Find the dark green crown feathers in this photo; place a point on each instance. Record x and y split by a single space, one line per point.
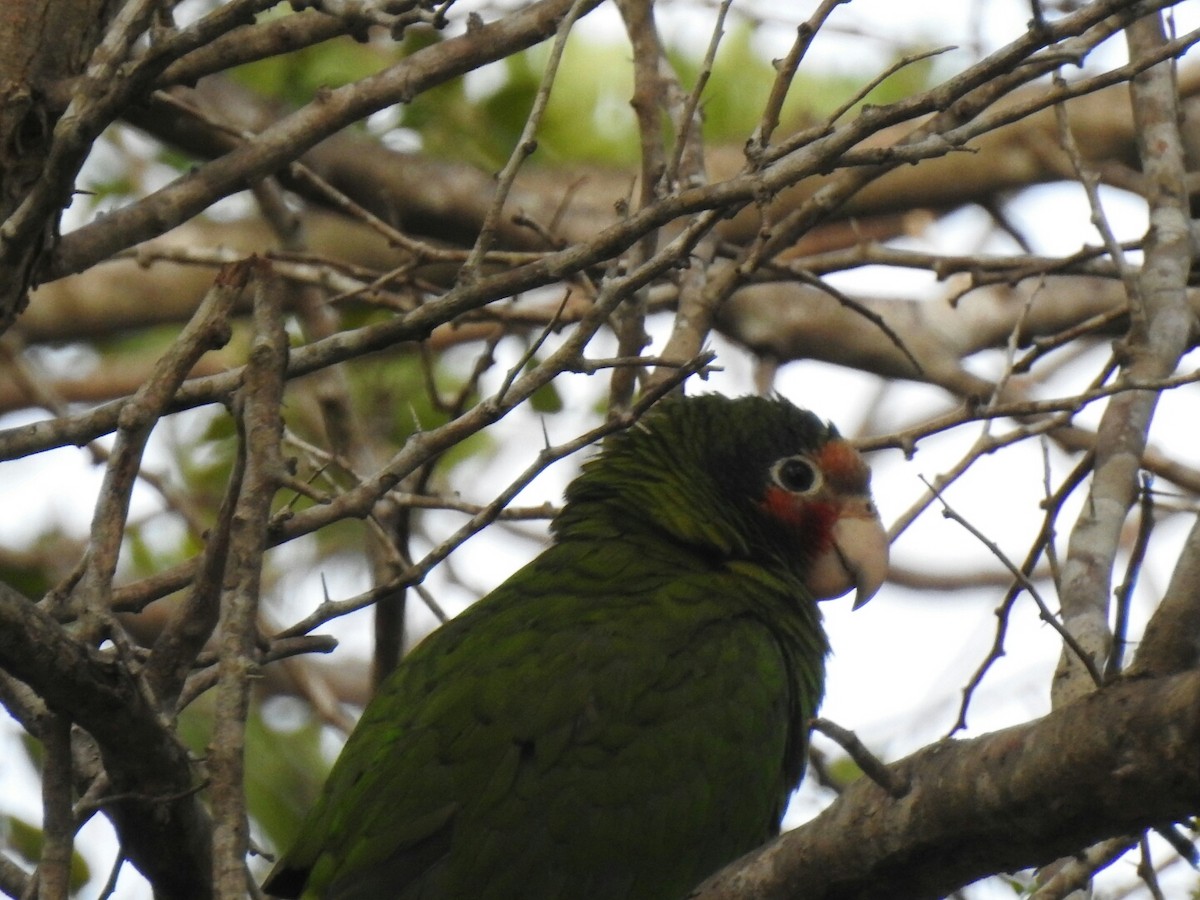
694 469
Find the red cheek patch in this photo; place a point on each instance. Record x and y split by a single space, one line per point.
811 521
781 505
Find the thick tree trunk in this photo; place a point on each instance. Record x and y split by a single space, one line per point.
43 43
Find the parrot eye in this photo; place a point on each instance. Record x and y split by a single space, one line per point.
796 474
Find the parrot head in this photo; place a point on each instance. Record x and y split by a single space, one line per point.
751 478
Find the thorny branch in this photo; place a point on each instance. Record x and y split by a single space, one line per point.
1161 326
260 427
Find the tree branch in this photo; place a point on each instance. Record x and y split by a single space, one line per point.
1171 642
1161 327
1117 761
287 139
260 425
163 827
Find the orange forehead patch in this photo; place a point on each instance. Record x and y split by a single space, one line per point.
843 467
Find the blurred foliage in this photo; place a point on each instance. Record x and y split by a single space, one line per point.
284 771
738 88
547 398
145 551
588 118
1019 885
25 840
393 390
293 78
30 572
843 771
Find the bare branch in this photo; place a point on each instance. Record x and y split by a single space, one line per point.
1171 642
261 427
291 136
161 823
526 143
979 806
1160 332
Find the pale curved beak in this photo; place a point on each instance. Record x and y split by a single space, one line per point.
857 556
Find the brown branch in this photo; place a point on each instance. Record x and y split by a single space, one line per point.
208 328
1117 761
1161 325
58 822
1171 642
654 84
45 43
162 826
260 425
285 140
252 42
14 881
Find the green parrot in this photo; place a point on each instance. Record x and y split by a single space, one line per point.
628 712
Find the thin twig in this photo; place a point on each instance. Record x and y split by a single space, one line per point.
785 73
688 126
860 309
870 764
1145 868
1077 871
526 144
1124 593
857 97
1090 183
1044 542
333 609
1030 588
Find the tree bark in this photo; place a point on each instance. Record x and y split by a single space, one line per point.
1118 761
42 44
162 825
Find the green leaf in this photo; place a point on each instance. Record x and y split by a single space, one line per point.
26 841
284 772
844 771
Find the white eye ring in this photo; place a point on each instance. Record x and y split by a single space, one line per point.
797 475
